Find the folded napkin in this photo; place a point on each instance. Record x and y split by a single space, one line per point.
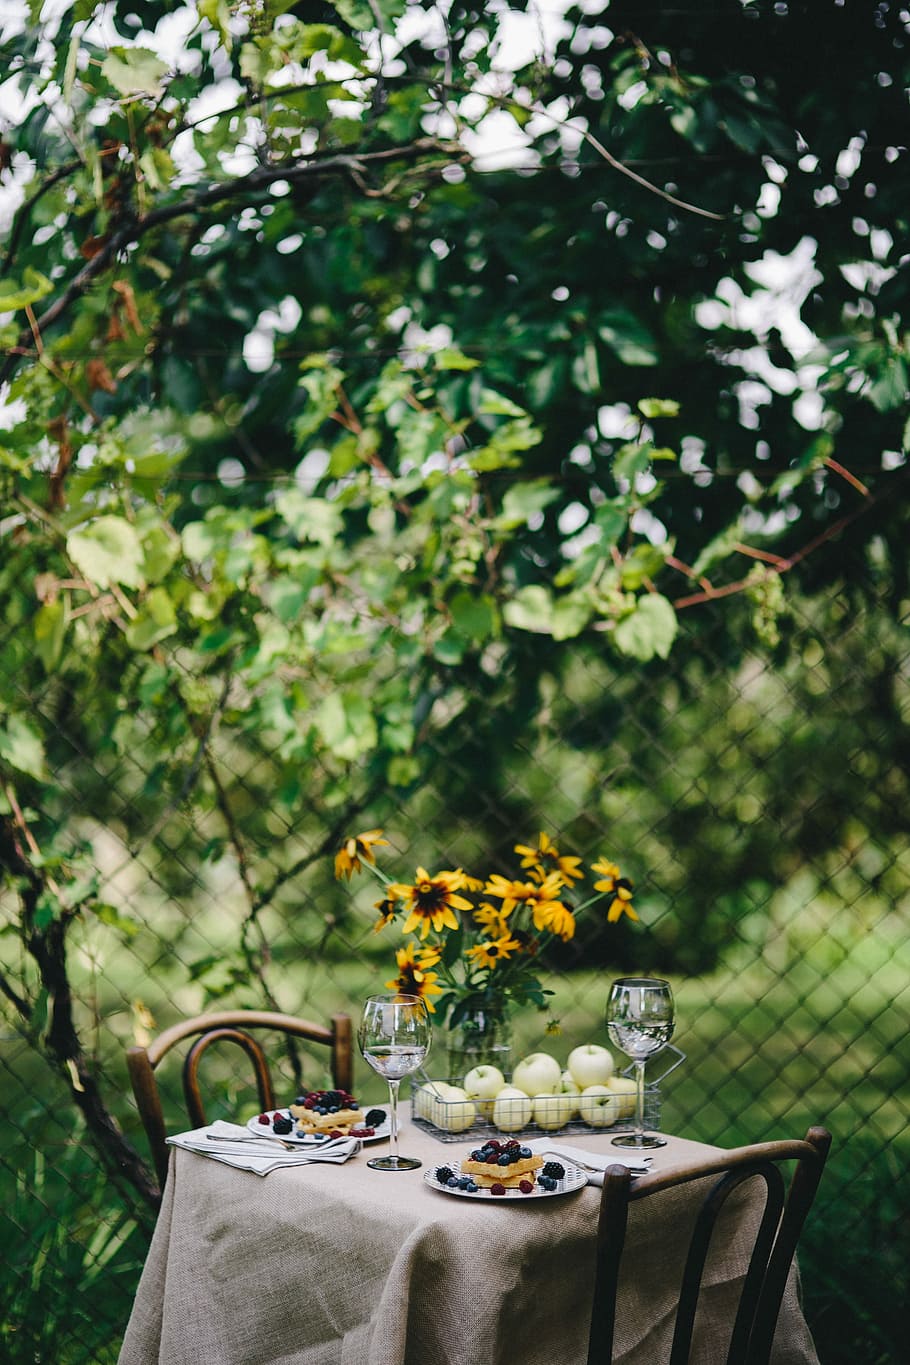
638 1163
237 1146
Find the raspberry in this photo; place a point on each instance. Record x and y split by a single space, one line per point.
497 1189
264 1120
362 1132
525 1186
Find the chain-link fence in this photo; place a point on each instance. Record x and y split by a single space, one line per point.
758 803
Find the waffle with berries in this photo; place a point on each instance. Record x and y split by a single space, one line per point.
326 1111
503 1163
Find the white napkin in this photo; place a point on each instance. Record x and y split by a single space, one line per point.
237 1146
637 1163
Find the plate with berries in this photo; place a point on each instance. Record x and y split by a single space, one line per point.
541 1181
371 1126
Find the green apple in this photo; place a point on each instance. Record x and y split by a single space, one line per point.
454 1110
598 1106
571 1091
590 1064
624 1088
426 1097
482 1084
512 1109
553 1111
538 1074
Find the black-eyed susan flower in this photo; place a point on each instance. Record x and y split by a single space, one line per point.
414 974
431 902
547 857
359 846
388 908
554 917
490 952
619 889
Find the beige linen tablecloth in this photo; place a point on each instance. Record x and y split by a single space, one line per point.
344 1265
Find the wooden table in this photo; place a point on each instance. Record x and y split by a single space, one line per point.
342 1265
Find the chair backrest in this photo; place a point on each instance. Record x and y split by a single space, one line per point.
782 1219
226 1026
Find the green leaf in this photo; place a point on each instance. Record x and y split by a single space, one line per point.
612 518
50 629
451 359
474 617
312 519
530 609
497 405
22 748
346 725
34 286
630 460
570 616
155 621
890 388
649 630
525 500
218 14
362 16
629 338
449 648
658 407
134 71
108 551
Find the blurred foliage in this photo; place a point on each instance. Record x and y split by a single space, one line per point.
340 451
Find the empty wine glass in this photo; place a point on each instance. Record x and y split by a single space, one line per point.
394 1038
640 1022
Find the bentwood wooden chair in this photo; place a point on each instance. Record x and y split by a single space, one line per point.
227 1026
782 1219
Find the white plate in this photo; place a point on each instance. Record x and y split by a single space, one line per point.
311 1139
574 1179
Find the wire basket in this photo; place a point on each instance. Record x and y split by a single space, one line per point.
464 1121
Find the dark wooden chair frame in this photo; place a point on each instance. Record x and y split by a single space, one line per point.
226 1026
775 1243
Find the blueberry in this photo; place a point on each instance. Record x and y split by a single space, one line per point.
471 1187
452 1182
503 1159
525 1152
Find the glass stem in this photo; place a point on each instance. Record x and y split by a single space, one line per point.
393 1119
639 1100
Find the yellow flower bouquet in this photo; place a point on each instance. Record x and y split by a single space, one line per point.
474 944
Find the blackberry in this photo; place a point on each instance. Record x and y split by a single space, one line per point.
281 1125
444 1174
375 1117
554 1169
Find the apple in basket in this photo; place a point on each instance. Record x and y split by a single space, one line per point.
512 1109
538 1074
590 1064
623 1088
599 1106
452 1109
571 1090
482 1084
553 1111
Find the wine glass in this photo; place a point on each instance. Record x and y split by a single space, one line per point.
394 1038
639 1022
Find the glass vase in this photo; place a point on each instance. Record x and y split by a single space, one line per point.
482 1038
